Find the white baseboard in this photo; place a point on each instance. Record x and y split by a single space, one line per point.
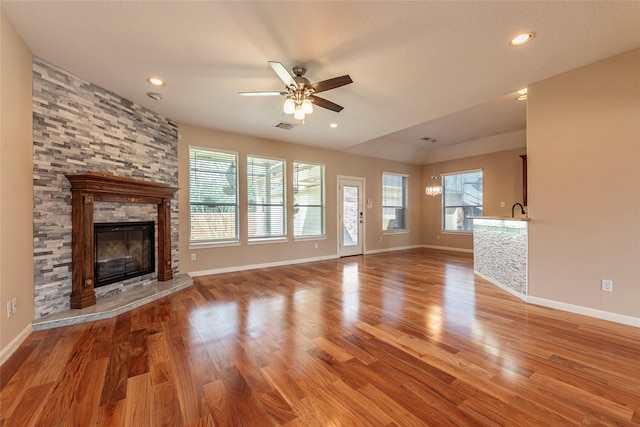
586 311
447 248
6 352
255 266
303 260
399 248
577 309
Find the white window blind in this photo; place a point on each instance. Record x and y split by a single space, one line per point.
308 200
213 195
266 198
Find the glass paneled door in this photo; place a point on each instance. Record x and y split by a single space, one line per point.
351 216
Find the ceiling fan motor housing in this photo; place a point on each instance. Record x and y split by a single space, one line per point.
303 83
299 70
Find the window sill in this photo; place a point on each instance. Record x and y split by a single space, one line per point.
309 238
205 245
384 232
457 233
267 241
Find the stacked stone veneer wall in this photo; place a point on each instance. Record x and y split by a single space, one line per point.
80 127
500 253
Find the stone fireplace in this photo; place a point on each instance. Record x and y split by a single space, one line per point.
79 126
86 189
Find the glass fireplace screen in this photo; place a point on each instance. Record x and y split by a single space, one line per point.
123 250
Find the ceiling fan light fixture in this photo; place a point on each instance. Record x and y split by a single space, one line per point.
300 93
289 106
307 106
298 114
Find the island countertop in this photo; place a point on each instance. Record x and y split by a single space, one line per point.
502 218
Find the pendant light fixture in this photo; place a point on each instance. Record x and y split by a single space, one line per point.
434 189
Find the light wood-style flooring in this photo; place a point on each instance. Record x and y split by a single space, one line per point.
405 338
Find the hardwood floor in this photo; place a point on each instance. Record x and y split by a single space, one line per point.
405 338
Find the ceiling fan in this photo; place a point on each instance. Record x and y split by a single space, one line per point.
300 93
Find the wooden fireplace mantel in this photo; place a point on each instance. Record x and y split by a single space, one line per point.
93 187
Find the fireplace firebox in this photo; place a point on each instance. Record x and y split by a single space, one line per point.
123 250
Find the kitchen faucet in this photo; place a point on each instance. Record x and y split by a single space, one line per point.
521 209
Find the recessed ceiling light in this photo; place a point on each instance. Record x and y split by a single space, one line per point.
155 96
521 39
522 94
333 125
155 81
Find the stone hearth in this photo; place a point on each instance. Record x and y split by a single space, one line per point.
114 305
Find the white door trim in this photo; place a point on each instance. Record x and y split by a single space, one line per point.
360 183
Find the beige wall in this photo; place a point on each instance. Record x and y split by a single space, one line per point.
502 182
16 186
336 163
583 142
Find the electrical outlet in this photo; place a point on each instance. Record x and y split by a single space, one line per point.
502 204
607 285
9 309
193 257
315 245
14 306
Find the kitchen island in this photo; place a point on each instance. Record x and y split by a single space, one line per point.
500 252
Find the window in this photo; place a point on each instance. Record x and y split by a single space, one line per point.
462 198
308 200
265 187
213 195
394 202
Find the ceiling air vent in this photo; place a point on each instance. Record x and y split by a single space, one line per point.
284 125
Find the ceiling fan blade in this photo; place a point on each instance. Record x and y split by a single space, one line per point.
321 102
331 83
263 93
284 75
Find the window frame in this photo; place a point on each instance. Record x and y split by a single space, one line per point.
405 205
322 206
267 238
445 206
215 241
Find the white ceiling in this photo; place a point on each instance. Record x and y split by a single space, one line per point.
441 69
